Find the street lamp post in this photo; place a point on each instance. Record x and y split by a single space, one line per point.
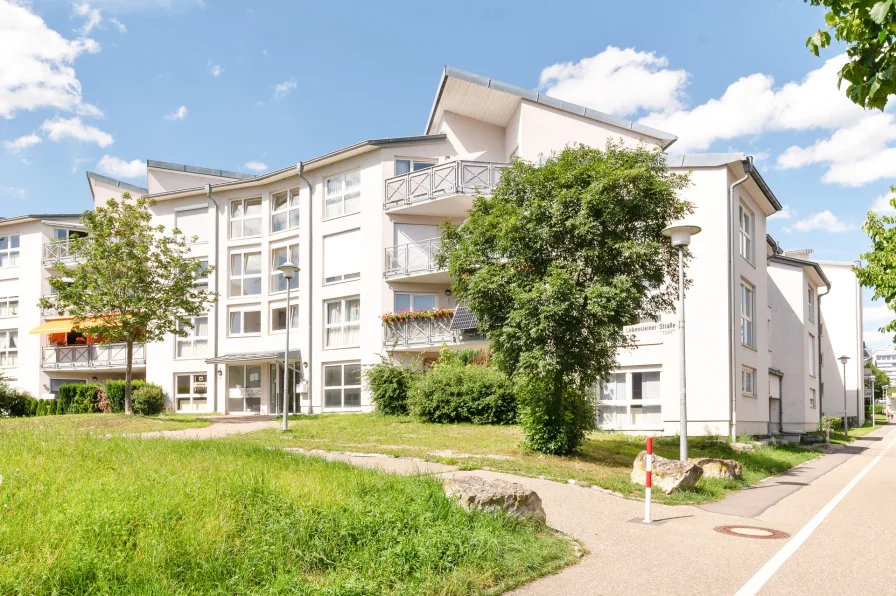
289 270
843 360
680 233
872 402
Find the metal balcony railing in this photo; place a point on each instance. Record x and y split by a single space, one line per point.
419 332
455 177
54 311
59 251
92 356
408 259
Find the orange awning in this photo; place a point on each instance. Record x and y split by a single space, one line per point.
57 326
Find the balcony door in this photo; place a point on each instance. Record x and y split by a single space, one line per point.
415 246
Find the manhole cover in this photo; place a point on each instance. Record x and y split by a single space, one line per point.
752 532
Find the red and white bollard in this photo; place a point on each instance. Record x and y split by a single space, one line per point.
648 481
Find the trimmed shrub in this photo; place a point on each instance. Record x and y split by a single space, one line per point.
148 400
115 393
389 383
77 398
557 428
457 393
16 402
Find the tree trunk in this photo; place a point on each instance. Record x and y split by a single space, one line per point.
128 407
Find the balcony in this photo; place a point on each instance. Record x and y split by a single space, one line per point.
91 356
59 251
426 329
54 311
416 260
445 190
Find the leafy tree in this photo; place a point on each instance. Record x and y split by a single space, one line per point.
555 263
879 271
869 29
881 380
134 282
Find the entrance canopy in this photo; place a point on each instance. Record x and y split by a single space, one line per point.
294 356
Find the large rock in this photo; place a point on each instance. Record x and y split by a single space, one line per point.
726 469
668 474
472 492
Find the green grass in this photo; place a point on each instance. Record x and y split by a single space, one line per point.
855 433
605 460
103 424
81 514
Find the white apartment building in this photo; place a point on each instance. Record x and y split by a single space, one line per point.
885 359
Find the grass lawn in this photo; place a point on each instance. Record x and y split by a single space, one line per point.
855 433
102 424
81 514
606 459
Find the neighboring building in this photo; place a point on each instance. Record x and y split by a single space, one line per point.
885 360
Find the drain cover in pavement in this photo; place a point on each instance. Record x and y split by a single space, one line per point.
752 532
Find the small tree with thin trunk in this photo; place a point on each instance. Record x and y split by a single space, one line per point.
133 282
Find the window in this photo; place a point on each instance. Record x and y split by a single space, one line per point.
243 388
811 355
193 223
403 166
202 275
190 392
343 195
342 256
342 385
285 210
245 273
55 384
9 347
9 251
811 305
245 218
630 399
747 304
245 321
748 381
414 302
9 307
278 317
279 256
195 345
63 234
343 323
746 233
812 398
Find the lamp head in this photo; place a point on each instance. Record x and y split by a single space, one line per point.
680 233
288 270
843 359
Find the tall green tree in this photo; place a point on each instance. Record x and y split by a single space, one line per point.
868 27
133 282
881 380
555 263
879 270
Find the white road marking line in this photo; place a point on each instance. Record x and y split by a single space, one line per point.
768 570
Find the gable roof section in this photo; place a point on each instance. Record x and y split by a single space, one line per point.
177 167
36 217
784 260
715 160
113 182
504 98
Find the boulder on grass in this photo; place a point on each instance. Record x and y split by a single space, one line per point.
726 469
742 447
473 492
668 474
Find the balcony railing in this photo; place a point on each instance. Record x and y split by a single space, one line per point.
92 356
54 311
419 332
456 177
59 251
409 259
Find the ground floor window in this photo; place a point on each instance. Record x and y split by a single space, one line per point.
631 399
191 392
244 388
748 381
811 398
9 348
342 385
55 384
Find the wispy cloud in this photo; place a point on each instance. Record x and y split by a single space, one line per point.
255 166
824 221
283 89
119 168
215 69
881 205
178 114
73 128
785 213
22 143
91 16
15 191
122 28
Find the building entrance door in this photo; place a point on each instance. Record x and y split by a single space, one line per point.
243 388
275 395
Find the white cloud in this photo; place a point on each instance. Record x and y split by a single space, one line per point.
36 65
119 168
785 213
122 28
825 221
619 81
283 89
21 143
62 128
875 339
255 166
15 191
91 16
881 205
877 314
178 114
215 69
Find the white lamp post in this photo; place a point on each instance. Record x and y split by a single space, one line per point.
843 360
680 233
289 271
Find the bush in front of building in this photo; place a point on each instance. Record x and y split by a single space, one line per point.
115 393
77 398
148 400
16 403
389 382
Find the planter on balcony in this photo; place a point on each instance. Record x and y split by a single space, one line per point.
418 328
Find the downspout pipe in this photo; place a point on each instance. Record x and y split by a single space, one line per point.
208 193
309 377
781 405
732 304
819 355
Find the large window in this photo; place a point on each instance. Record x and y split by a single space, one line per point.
343 321
243 388
342 256
342 385
195 345
747 310
278 317
403 166
9 347
414 302
285 210
811 355
9 307
343 195
748 381
811 304
9 251
747 223
631 399
245 273
245 320
193 223
280 255
191 392
245 218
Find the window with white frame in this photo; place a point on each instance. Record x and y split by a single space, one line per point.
193 223
404 166
9 347
245 320
342 256
280 255
414 302
343 195
812 398
278 317
342 385
747 223
811 305
747 312
9 251
9 307
631 399
811 355
285 210
245 273
748 381
191 392
195 344
202 275
343 323
245 218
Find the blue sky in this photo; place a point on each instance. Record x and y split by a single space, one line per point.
107 84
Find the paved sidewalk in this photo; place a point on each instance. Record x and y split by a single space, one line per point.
221 426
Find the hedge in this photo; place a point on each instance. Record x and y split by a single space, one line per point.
77 398
457 393
115 393
16 402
